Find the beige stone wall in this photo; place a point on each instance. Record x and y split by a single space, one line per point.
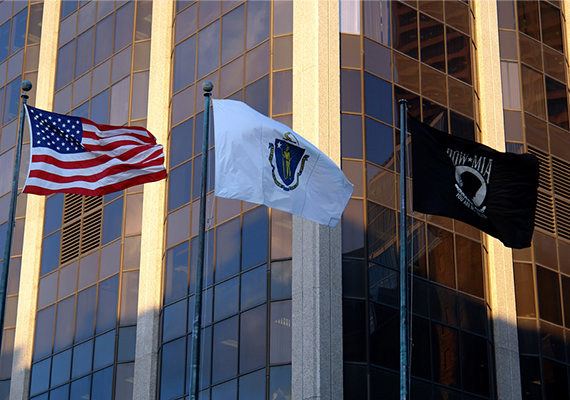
317 268
31 254
152 236
501 288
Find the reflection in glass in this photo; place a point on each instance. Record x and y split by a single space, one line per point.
377 21
252 386
280 340
557 103
254 287
253 337
379 144
405 29
378 98
184 64
533 92
64 324
225 352
107 304
82 356
208 49
85 320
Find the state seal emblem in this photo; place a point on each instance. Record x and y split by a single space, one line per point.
288 158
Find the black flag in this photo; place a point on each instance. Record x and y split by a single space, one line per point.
457 178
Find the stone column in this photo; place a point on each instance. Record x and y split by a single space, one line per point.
317 285
499 258
33 230
150 283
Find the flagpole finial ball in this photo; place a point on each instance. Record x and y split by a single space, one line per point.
207 86
26 86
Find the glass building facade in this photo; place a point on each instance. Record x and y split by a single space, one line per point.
86 293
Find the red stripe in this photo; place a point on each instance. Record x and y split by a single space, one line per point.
105 128
138 180
48 176
93 162
108 147
145 139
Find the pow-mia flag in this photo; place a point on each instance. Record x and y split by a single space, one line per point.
263 161
457 178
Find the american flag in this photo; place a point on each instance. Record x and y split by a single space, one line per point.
75 155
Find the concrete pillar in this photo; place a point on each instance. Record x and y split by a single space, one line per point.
499 258
150 283
33 231
317 270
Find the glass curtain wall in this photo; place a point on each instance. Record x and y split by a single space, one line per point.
245 49
534 69
88 291
20 33
421 51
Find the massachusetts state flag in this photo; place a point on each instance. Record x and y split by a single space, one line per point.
457 178
75 155
263 161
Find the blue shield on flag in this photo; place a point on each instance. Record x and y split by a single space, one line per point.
287 157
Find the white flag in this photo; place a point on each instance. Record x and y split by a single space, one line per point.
263 161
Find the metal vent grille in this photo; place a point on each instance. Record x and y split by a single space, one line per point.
544 217
561 175
72 205
563 218
82 225
70 241
91 232
545 174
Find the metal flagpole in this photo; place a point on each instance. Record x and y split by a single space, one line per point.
403 264
26 86
196 330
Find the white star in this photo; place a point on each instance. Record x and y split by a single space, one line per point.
49 117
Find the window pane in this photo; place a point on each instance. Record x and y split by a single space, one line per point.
80 388
252 386
548 295
445 350
102 388
124 26
557 103
50 253
528 18
85 321
254 287
208 49
40 377
61 368
181 143
458 55
533 92
378 98
253 337
377 21
281 280
280 382
112 221
224 357
107 304
84 53
350 92
254 238
280 337
18 31
258 20
129 298
226 299
125 379
12 101
82 357
232 34
379 143
227 249
64 324
104 350
184 64
441 261
432 42
511 85
44 333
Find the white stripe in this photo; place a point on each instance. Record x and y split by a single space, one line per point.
93 155
107 141
95 169
107 181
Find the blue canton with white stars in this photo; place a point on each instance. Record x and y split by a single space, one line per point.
60 133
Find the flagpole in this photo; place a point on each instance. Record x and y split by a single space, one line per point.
403 264
196 330
25 86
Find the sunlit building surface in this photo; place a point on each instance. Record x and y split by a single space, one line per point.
100 301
